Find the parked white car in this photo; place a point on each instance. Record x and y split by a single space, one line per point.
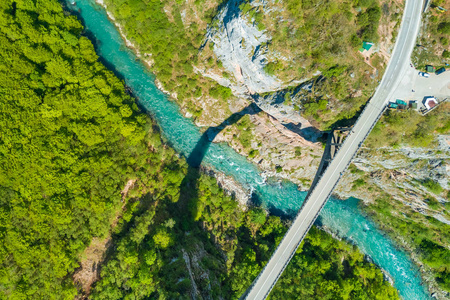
423 74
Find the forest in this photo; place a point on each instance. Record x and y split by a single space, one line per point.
157 28
72 137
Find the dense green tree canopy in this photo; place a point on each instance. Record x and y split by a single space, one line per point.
70 138
229 248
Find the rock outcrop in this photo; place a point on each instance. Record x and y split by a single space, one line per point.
239 44
399 172
241 47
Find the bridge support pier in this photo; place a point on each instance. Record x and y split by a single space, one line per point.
335 139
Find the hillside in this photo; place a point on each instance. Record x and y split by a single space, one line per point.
305 71
95 201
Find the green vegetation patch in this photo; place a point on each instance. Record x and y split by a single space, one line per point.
433 203
358 183
245 132
157 27
424 235
409 127
71 137
432 186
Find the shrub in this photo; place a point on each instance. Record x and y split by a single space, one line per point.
354 170
365 3
245 133
245 7
432 186
435 255
334 71
257 216
163 239
355 41
447 204
348 15
446 54
253 153
358 183
433 203
220 92
272 67
444 28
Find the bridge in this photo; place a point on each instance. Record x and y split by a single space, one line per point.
326 182
335 140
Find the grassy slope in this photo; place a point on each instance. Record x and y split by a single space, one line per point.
435 37
172 32
308 37
410 128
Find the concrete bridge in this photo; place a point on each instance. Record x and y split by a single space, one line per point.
335 140
326 182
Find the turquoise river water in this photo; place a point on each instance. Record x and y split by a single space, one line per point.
342 217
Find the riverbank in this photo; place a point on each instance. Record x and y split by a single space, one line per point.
377 173
145 57
277 195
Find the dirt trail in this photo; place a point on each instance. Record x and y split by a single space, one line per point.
93 256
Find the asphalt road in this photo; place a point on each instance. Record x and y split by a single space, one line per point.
396 70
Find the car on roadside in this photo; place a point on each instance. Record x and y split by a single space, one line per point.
424 74
440 70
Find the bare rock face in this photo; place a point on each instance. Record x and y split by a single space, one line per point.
240 46
399 172
285 105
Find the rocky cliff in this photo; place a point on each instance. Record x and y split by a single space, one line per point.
241 45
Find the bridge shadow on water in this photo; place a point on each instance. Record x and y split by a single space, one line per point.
189 193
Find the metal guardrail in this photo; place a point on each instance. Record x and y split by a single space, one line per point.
322 206
382 109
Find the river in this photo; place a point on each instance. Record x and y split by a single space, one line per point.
342 217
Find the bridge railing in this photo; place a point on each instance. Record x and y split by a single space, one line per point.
321 207
353 156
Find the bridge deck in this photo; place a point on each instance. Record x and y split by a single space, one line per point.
322 190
